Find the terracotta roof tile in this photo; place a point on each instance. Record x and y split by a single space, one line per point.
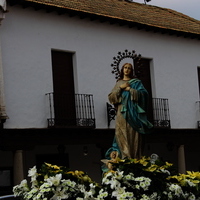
131 12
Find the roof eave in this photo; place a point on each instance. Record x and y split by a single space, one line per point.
103 18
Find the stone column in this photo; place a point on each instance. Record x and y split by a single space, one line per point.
3 115
18 168
181 159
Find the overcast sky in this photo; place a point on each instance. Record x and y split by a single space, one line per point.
188 7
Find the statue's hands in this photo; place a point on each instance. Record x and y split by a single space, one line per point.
125 86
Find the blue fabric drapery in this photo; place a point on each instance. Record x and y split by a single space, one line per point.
135 111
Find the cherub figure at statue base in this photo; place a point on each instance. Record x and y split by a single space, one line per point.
114 158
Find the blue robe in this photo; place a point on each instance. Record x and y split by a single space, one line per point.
135 111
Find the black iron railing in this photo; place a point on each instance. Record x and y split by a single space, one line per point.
71 110
161 116
111 113
160 112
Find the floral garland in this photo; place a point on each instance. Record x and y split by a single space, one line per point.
133 179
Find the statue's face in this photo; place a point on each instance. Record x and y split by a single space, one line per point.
113 154
127 70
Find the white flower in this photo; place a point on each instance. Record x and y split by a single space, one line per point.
108 174
34 183
137 186
139 178
34 190
24 185
69 183
54 180
29 196
191 197
114 184
45 185
32 194
165 171
106 181
119 175
129 176
170 195
59 194
142 185
81 187
33 174
105 194
176 189
147 181
39 195
122 196
190 183
129 194
32 171
88 194
45 190
154 196
102 194
145 197
92 188
119 191
21 188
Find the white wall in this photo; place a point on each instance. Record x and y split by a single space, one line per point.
27 37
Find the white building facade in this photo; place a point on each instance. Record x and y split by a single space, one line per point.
29 38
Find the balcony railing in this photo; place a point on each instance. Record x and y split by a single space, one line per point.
161 116
160 111
71 110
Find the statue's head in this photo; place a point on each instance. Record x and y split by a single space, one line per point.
127 65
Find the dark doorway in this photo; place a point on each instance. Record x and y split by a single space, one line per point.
145 77
198 73
63 85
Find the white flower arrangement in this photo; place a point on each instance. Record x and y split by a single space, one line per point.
55 183
131 179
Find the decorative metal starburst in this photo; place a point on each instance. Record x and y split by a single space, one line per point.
121 56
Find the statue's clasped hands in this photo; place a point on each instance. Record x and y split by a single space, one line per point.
125 86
